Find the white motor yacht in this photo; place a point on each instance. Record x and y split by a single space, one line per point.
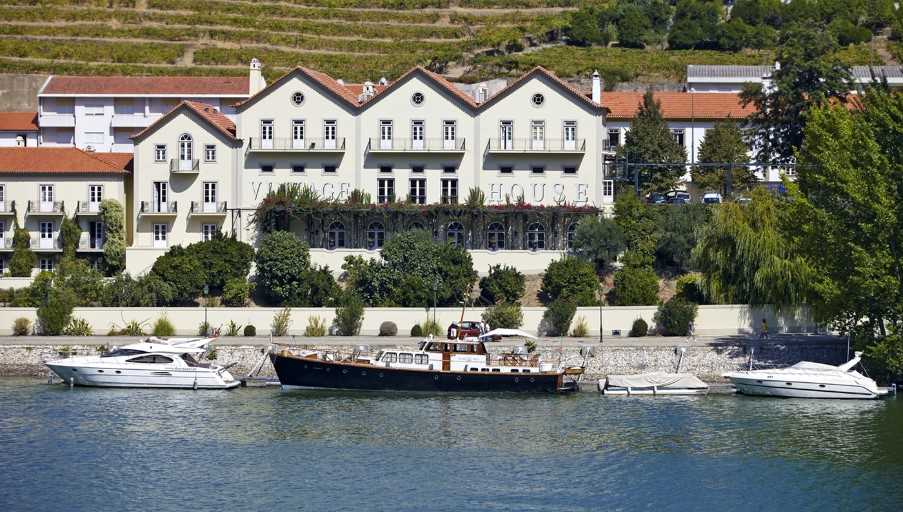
153 363
808 380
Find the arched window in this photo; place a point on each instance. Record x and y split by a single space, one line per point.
335 237
455 234
376 236
536 237
186 148
572 230
495 238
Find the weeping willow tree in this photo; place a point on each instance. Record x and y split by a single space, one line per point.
745 255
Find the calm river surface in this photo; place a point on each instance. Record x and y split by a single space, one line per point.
268 450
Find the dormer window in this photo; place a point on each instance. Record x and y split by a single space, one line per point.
297 98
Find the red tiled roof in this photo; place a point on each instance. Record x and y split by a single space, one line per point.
678 105
18 121
214 117
62 161
148 85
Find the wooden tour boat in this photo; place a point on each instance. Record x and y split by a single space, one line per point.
435 365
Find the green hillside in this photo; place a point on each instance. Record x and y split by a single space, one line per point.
351 39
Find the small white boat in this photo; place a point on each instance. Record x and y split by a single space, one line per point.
153 363
653 384
808 380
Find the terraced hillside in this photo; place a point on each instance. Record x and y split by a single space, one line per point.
351 39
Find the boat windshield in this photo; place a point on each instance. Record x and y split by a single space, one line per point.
120 352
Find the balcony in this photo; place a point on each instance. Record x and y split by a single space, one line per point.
201 209
132 120
258 145
7 208
533 147
155 209
85 244
56 120
44 208
608 147
87 209
380 146
6 244
177 166
40 244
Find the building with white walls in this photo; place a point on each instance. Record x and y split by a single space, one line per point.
101 113
18 129
715 78
39 187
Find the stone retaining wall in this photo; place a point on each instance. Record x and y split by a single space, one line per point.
707 360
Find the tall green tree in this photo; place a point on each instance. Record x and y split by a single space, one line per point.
678 232
113 218
70 236
599 241
282 261
649 141
639 223
810 76
695 25
23 260
849 208
746 256
724 143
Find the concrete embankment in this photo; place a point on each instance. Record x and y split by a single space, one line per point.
707 357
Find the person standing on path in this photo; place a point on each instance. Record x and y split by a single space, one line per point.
763 334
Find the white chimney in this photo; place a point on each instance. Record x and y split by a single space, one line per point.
597 88
383 81
340 82
368 88
256 83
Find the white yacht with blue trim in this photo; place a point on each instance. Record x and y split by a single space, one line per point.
808 380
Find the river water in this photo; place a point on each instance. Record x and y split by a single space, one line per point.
264 449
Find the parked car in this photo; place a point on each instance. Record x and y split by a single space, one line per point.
466 329
656 198
711 198
678 197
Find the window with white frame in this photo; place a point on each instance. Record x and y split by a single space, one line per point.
376 236
186 148
417 193
160 231
210 153
161 197
96 234
614 138
46 264
209 196
495 238
608 188
678 135
570 134
159 152
95 197
418 133
208 231
571 233
455 234
330 133
385 190
449 191
385 134
298 133
449 134
537 135
266 133
536 237
335 236
506 134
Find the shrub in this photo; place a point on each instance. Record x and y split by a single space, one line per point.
53 315
556 321
163 327
348 318
571 279
416 331
111 214
85 282
182 271
388 329
281 322
316 327
223 259
675 317
639 328
78 327
503 284
598 241
250 330
23 259
429 327
281 261
236 292
133 328
204 328
634 286
504 316
21 327
232 328
581 329
689 288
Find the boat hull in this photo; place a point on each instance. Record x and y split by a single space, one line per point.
795 389
297 372
184 378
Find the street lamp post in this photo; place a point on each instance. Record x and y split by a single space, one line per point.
435 293
206 325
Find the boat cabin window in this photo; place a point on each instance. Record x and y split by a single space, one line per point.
390 357
463 347
152 359
421 358
120 352
405 358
